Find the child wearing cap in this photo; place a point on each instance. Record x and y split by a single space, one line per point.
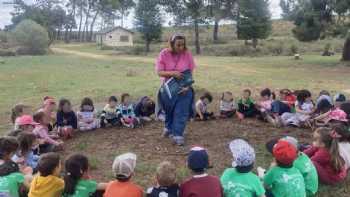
239 180
26 123
166 182
302 163
282 179
201 184
123 170
325 155
47 182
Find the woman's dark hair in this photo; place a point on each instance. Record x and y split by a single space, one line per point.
332 145
124 96
8 145
26 141
112 98
207 95
75 166
38 116
62 102
87 101
48 163
245 169
16 111
342 129
266 92
173 39
248 91
302 95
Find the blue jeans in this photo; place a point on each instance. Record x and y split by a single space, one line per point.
279 107
177 112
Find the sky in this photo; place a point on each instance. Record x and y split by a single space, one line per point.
5 17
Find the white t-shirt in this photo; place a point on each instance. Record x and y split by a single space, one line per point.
201 106
344 150
227 106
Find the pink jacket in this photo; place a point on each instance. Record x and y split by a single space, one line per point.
42 132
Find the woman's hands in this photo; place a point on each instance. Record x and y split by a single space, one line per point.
177 75
168 74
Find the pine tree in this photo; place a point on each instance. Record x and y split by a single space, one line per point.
254 20
148 21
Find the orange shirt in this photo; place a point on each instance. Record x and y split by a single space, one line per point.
123 189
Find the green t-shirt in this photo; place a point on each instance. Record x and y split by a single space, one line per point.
236 184
285 182
84 188
248 101
309 172
10 184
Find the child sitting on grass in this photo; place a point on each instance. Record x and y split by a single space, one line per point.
285 104
246 106
77 179
145 108
123 169
11 179
324 96
26 123
49 142
110 113
128 117
17 111
264 104
166 182
49 108
201 184
304 109
87 119
202 112
328 115
25 155
342 132
325 155
302 163
282 179
227 105
66 119
47 182
239 180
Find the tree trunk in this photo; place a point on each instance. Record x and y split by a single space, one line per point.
66 36
255 43
92 25
196 29
80 22
346 49
148 44
216 31
71 27
85 31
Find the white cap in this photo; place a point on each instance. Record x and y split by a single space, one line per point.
124 164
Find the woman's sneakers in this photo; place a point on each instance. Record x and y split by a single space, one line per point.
178 140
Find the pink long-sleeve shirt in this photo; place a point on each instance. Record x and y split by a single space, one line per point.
169 61
42 132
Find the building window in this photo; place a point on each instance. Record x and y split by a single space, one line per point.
124 38
110 37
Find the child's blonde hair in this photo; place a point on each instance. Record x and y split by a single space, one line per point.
166 174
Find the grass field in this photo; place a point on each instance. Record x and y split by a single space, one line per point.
75 71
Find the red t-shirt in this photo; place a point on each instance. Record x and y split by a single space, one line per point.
201 186
123 189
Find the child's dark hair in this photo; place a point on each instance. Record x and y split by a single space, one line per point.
16 111
342 129
87 101
38 116
286 92
125 95
75 167
227 92
248 91
266 92
148 106
324 106
25 142
8 145
282 165
302 95
112 98
207 95
48 163
122 178
331 144
62 102
245 169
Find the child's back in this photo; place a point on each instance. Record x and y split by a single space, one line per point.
46 186
201 186
171 191
285 182
309 172
9 184
123 189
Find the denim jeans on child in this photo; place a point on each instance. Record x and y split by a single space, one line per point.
177 112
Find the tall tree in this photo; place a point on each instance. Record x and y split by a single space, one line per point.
123 7
288 8
148 21
254 20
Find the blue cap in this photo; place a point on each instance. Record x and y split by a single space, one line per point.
198 159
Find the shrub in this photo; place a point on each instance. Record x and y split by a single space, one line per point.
293 49
275 48
3 36
32 37
7 52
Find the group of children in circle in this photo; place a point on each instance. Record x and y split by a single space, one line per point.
27 155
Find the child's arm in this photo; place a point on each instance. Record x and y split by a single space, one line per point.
101 186
311 151
322 116
198 111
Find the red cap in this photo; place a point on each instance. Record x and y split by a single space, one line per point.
284 152
26 120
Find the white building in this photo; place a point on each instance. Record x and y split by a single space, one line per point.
115 37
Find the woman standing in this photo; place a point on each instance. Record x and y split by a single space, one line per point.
172 63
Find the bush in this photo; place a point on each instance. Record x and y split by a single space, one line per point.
32 37
3 37
7 52
276 48
293 49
